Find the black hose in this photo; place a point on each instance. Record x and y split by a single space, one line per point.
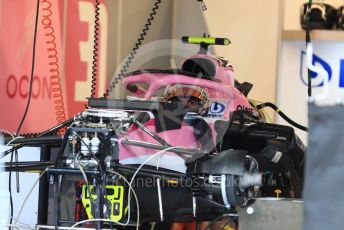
308 40
283 115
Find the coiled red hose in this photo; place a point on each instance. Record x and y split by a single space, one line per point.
55 80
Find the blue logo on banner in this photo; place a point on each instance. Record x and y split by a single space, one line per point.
317 61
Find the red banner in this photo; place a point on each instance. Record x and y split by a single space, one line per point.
62 77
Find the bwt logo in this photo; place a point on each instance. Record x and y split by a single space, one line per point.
217 107
317 81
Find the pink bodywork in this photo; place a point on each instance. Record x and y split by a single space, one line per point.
222 89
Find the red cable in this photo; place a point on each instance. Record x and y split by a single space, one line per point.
55 80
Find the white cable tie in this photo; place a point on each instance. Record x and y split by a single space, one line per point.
277 157
160 200
194 206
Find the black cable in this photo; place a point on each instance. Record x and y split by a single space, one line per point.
27 105
308 40
137 45
308 16
283 115
32 71
95 50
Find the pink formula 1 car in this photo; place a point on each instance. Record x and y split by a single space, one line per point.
187 141
201 108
